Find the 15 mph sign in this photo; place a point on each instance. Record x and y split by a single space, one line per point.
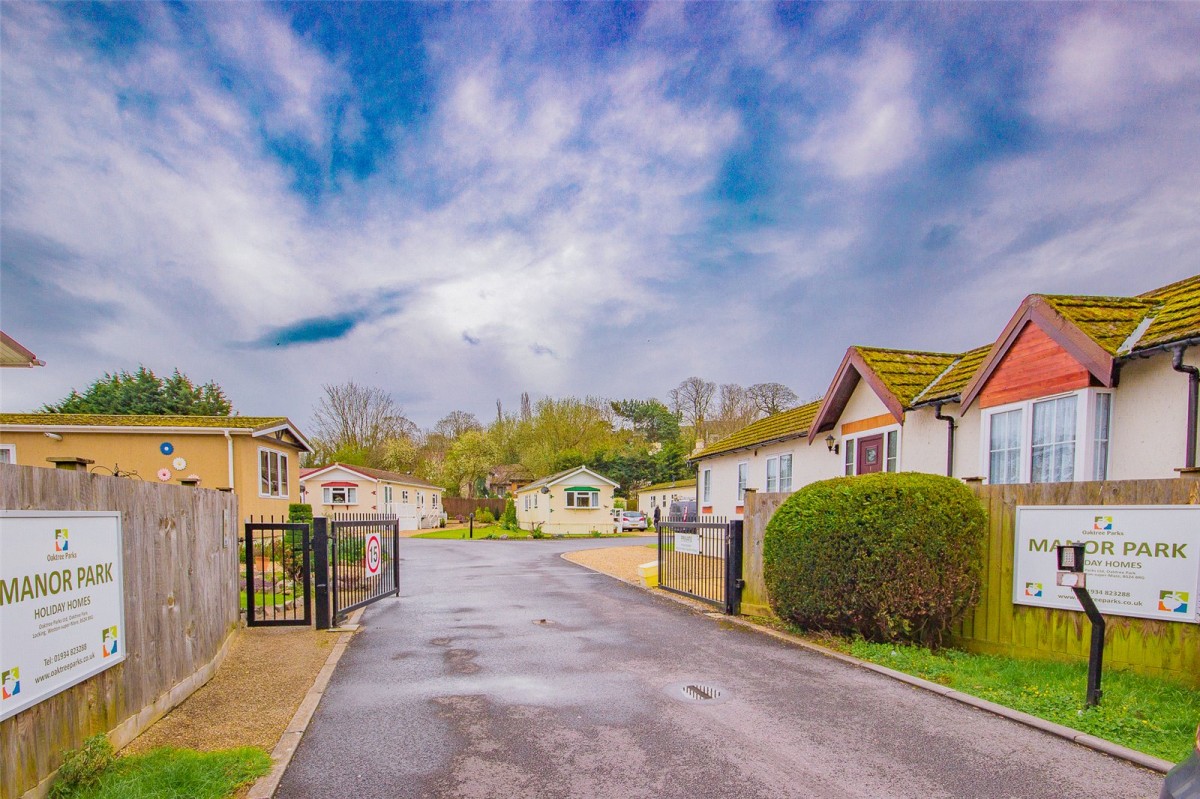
374 554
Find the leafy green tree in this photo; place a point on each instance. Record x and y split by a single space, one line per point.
145 393
653 420
468 461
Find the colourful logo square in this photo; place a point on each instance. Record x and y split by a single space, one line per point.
1103 523
109 641
1173 601
1033 589
11 682
60 540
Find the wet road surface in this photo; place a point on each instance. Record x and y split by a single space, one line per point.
504 671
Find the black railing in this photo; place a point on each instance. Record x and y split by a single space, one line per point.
277 583
702 558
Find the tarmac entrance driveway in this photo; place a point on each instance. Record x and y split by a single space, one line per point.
504 671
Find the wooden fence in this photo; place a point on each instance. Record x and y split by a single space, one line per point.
462 506
181 604
998 626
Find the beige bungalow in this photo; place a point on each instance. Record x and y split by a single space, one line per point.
1076 388
661 495
577 501
342 488
256 457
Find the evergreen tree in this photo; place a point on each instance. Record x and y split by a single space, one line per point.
143 392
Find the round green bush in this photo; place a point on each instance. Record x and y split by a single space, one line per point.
889 556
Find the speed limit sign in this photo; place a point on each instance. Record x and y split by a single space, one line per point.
374 554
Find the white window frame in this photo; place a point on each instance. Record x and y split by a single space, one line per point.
350 496
743 480
11 449
706 486
433 500
282 489
786 488
1085 432
850 448
593 501
527 502
772 485
420 499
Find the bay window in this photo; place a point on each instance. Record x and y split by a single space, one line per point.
339 495
583 498
1049 440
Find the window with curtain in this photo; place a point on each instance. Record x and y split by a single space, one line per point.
1100 445
743 475
1053 441
772 475
785 473
1004 448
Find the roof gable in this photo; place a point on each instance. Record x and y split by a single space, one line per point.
278 427
1044 312
565 475
368 473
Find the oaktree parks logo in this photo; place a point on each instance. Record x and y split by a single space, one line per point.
11 680
1033 589
108 639
1173 601
60 540
1103 523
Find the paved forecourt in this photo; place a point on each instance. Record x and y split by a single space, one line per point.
505 671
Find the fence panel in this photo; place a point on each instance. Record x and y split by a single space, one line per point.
464 506
180 549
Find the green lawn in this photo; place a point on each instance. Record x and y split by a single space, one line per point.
1150 714
267 599
172 774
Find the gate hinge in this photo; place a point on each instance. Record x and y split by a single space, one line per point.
740 583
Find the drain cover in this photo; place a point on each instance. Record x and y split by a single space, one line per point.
701 692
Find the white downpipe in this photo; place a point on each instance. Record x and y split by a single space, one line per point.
229 451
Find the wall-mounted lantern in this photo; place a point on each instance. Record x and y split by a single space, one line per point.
832 445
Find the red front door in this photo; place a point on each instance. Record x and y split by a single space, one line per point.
870 454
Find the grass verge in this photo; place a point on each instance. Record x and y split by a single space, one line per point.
1154 715
174 774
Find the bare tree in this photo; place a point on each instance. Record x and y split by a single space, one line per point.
455 423
692 401
358 420
772 398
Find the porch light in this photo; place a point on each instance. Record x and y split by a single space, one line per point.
832 445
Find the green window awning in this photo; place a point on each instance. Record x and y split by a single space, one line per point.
584 488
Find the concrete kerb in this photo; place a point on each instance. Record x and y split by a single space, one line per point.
281 755
1083 739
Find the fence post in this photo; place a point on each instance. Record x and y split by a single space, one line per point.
320 561
396 555
733 568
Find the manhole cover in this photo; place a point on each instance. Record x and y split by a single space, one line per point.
701 692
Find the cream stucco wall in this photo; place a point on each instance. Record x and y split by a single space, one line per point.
663 497
553 515
206 455
1149 421
809 464
423 508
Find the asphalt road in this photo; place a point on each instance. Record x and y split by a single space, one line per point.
504 671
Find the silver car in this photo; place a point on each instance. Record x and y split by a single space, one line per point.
1183 782
631 520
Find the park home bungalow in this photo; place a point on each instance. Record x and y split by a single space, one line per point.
661 495
341 488
1075 388
258 458
577 501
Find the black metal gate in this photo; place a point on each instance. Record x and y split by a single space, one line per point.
357 562
702 558
277 572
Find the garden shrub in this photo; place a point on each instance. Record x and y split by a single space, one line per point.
82 767
888 556
300 512
484 516
509 519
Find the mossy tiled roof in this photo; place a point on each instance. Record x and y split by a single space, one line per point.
906 373
1108 321
1178 314
672 484
121 420
950 383
791 423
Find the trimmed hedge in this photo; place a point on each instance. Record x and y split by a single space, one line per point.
888 556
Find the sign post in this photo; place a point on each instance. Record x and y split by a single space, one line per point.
1071 575
62 602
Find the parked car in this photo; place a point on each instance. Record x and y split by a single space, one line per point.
1183 781
684 510
632 520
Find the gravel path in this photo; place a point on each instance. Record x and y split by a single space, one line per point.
619 562
251 698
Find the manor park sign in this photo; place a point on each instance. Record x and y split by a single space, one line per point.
1140 560
62 604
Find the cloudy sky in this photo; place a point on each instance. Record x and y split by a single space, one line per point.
459 203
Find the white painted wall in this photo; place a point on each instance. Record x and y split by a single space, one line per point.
809 464
1149 418
556 518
